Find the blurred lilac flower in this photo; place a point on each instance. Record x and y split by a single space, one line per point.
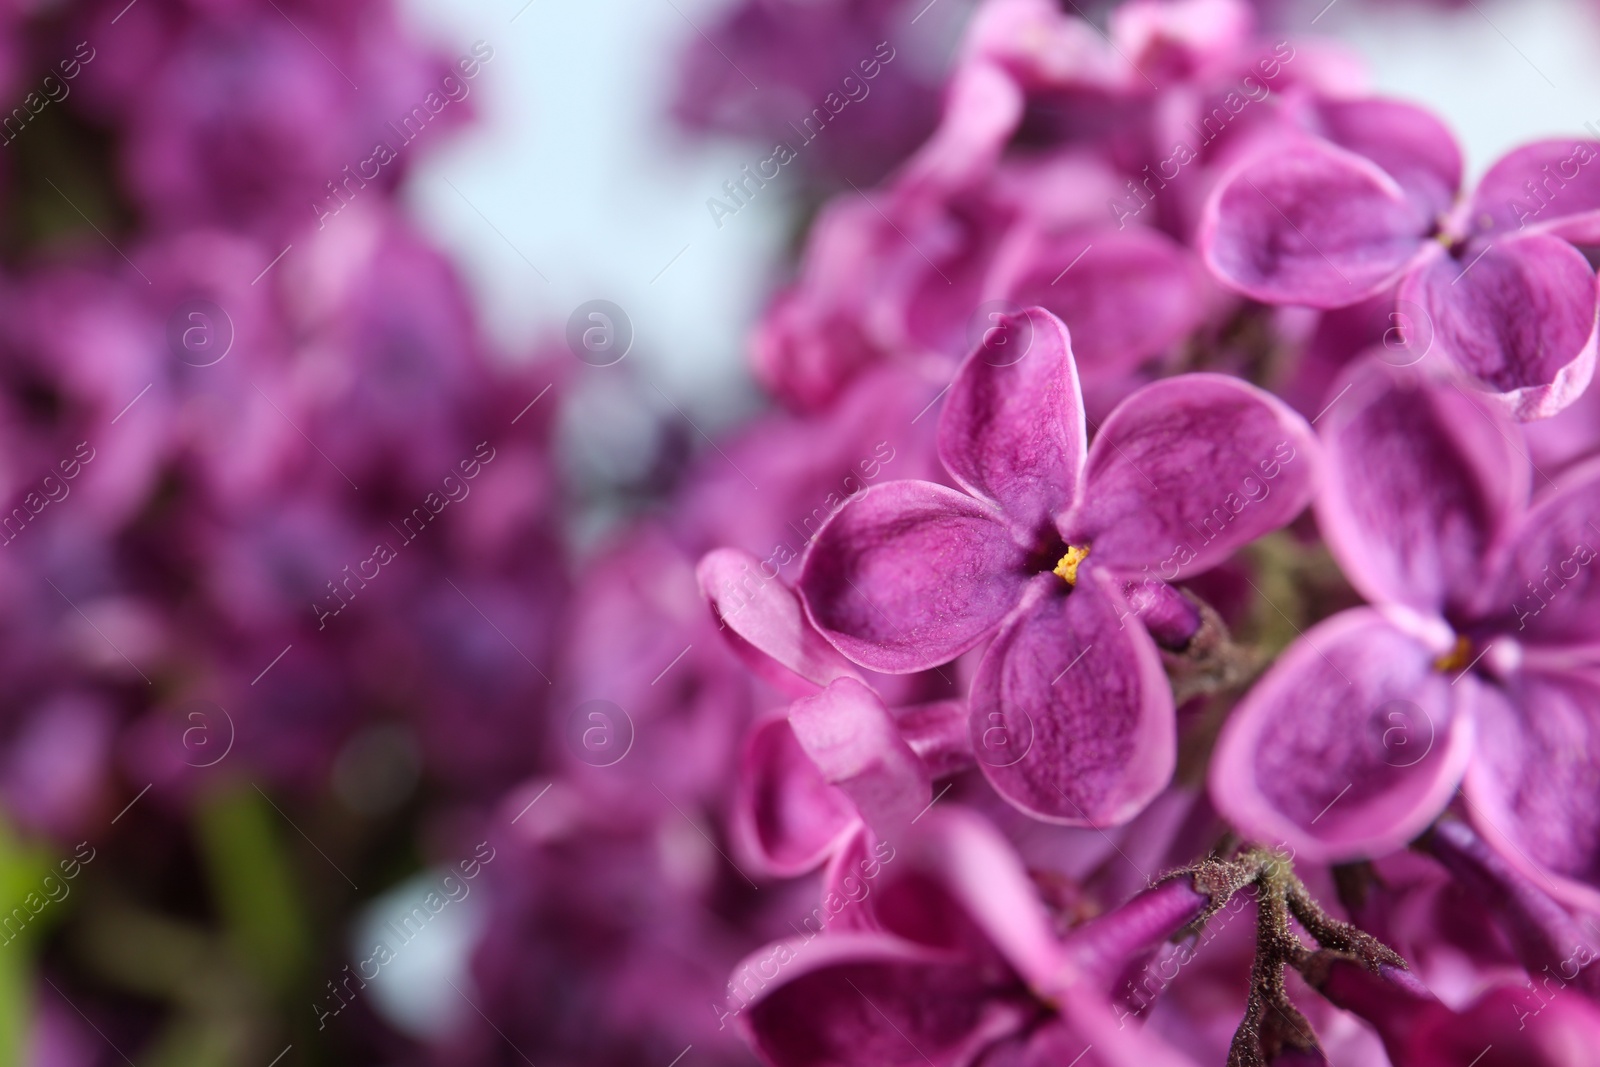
1371 201
1475 659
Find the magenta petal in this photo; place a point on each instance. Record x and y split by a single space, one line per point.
1420 480
1550 593
1348 746
1408 142
1188 470
1518 315
1072 716
852 738
766 624
956 883
1564 198
1310 224
1125 295
786 818
870 1000
910 576
1534 785
1012 429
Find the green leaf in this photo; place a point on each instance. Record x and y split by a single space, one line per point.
252 882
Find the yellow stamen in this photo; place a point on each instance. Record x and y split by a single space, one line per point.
1457 658
1067 569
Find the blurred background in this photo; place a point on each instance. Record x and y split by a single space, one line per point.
326 532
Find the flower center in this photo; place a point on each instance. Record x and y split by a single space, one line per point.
1067 567
1457 658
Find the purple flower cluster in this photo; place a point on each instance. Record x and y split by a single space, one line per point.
1155 625
1068 737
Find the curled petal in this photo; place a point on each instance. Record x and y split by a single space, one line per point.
957 884
764 621
1072 716
1012 429
1545 187
1188 470
1311 224
871 1000
1408 142
786 818
852 738
1517 315
1534 785
1348 747
910 575
1420 480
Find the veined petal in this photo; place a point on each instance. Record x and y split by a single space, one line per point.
1188 470
786 818
1534 784
1420 480
1517 315
1072 716
1408 142
766 624
910 575
852 738
871 1000
1012 429
1310 224
1348 746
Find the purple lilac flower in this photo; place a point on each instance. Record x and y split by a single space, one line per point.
1367 199
1475 658
1044 551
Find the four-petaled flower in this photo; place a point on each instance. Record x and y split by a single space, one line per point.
1054 547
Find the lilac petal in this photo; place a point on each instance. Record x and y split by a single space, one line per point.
764 621
786 818
845 900
1124 295
1408 142
937 733
1012 429
1188 470
1081 691
956 883
1550 593
1420 480
910 576
870 1000
1518 315
1544 187
853 740
1534 785
1310 224
1349 745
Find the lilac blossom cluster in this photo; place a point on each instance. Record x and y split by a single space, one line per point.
1154 627
1235 559
212 399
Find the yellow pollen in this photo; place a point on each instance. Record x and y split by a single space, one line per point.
1457 658
1067 569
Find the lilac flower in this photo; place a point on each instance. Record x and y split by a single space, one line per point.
961 967
1041 552
1475 658
1371 200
